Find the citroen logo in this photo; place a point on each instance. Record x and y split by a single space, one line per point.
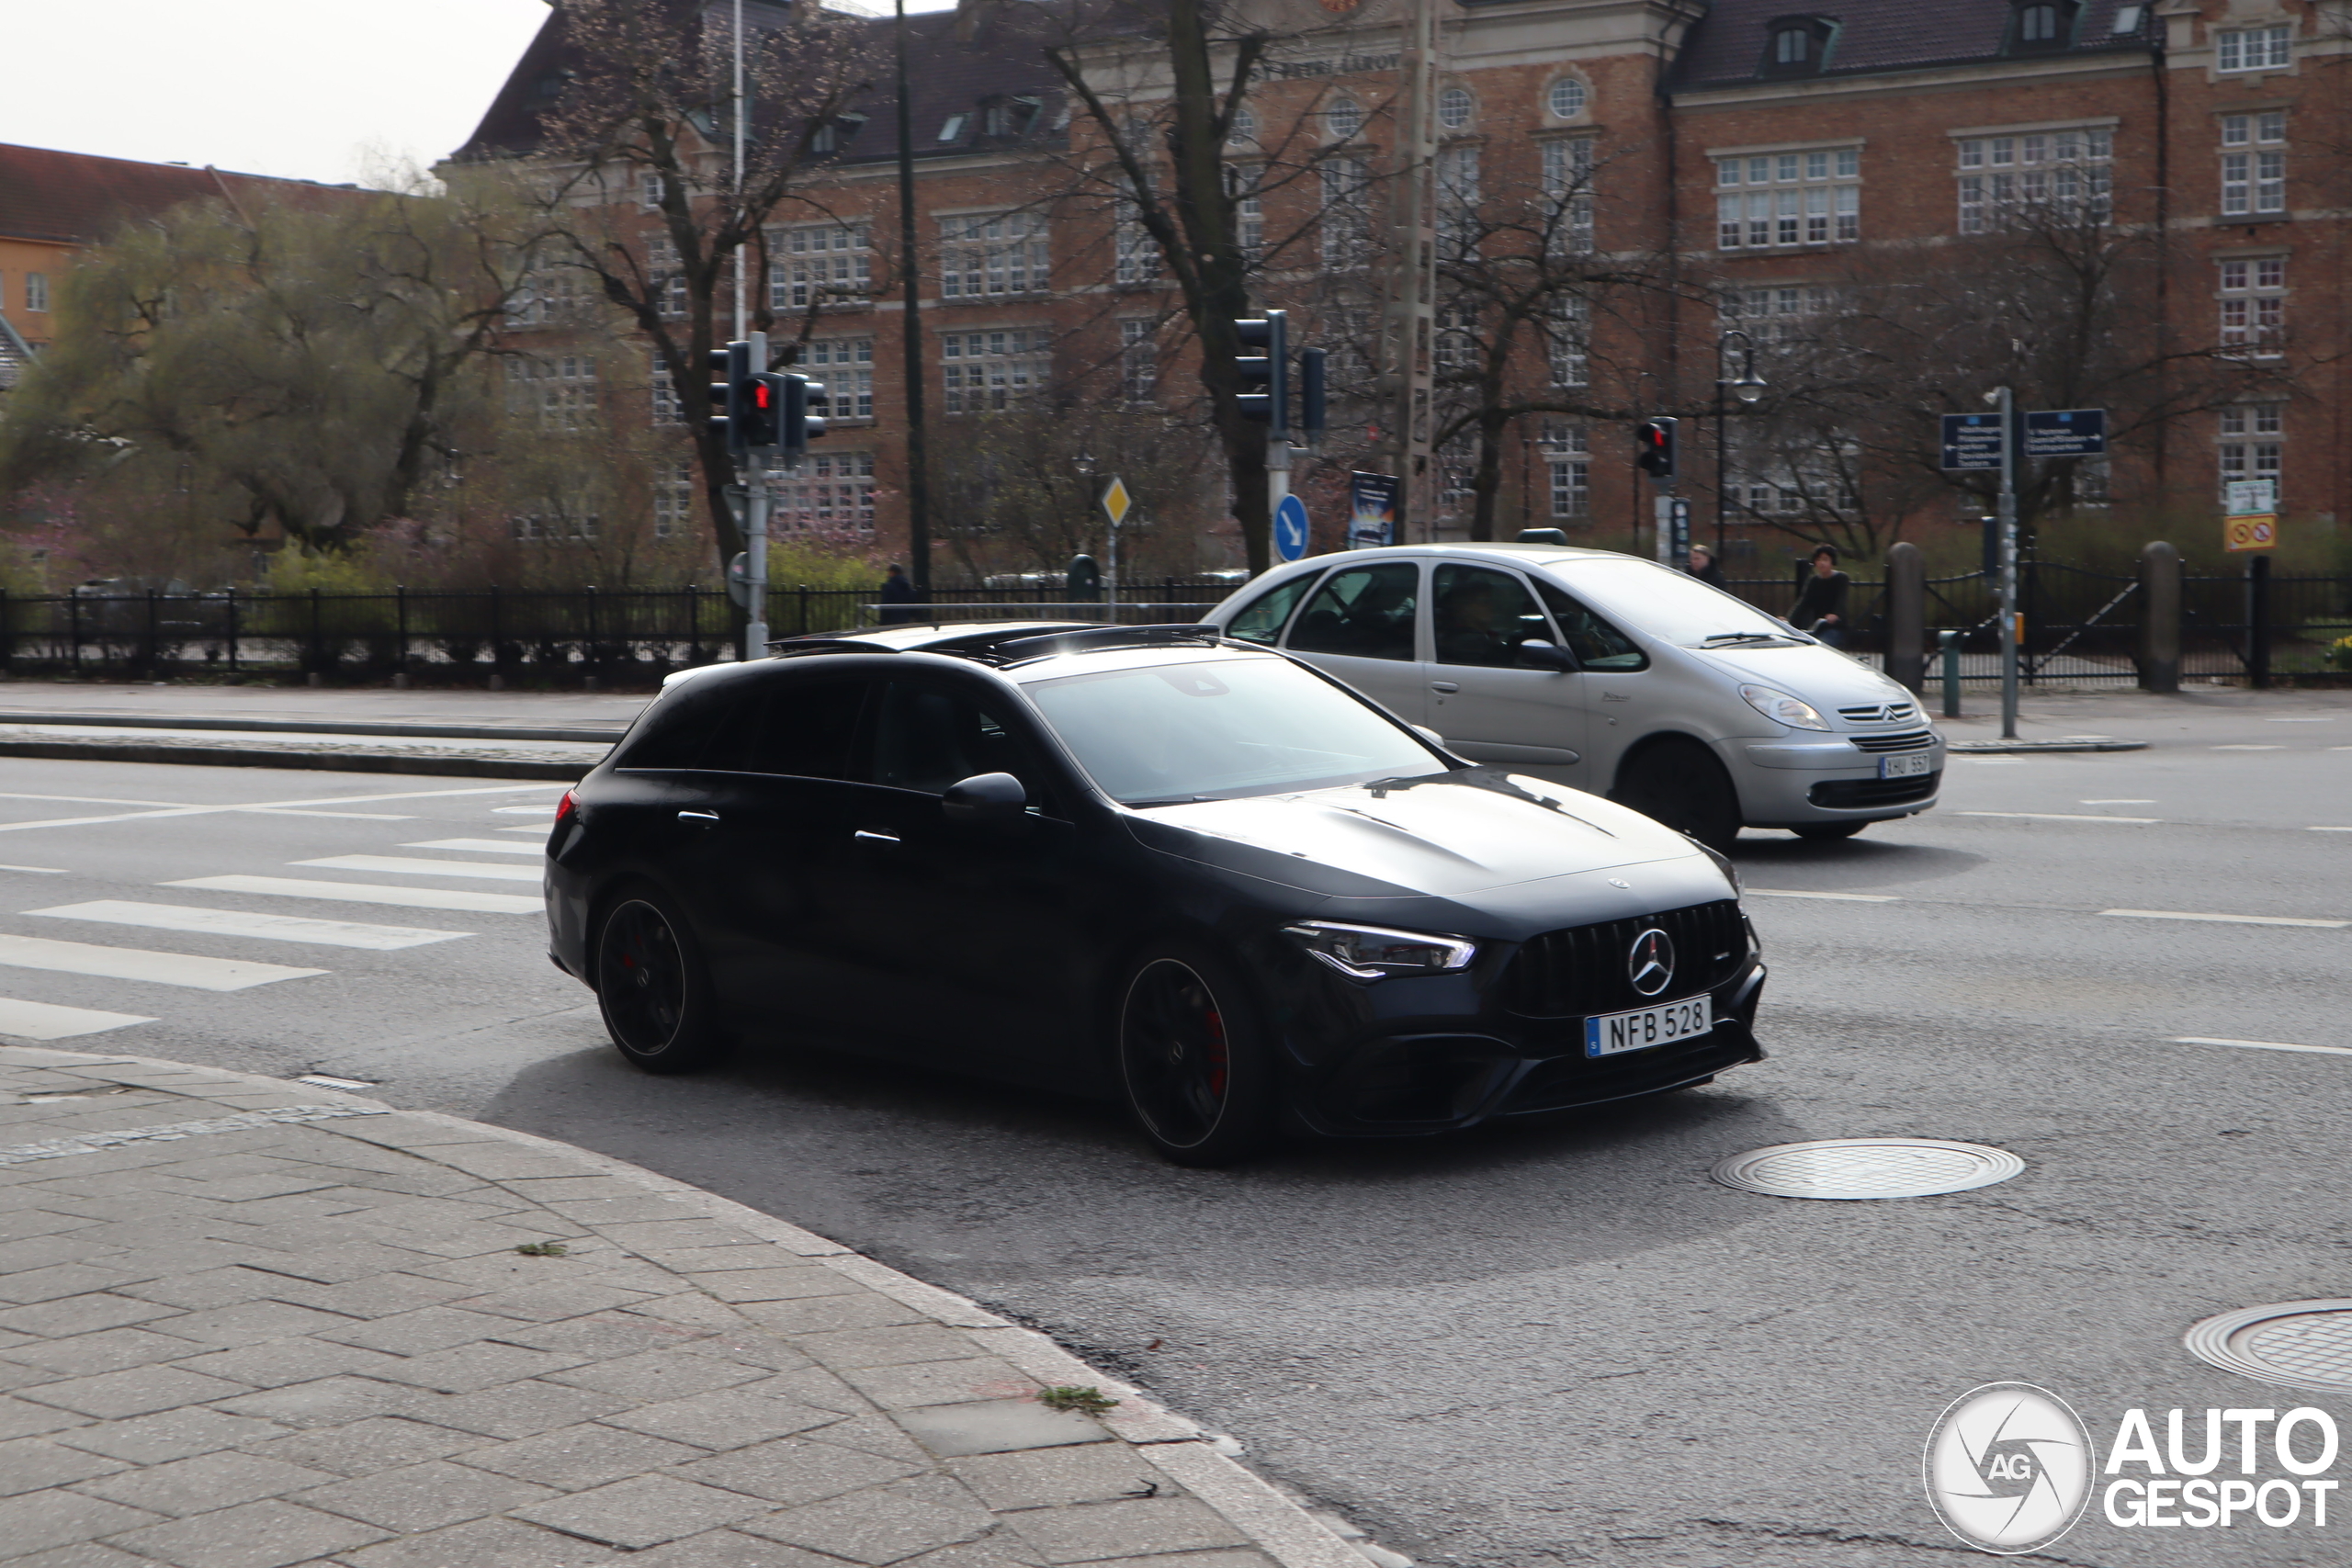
1650 965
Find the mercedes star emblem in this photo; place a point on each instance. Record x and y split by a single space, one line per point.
1650 964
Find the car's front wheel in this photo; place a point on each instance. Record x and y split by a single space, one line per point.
652 986
1680 784
1196 1072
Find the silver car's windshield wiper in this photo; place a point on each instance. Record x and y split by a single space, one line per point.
1720 639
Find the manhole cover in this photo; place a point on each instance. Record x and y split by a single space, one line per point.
1867 1168
2293 1344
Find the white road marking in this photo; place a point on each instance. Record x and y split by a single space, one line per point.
246 923
487 846
533 828
1990 762
139 964
43 1021
2225 919
2063 817
36 870
2318 718
2328 829
281 807
369 893
547 811
2119 800
184 806
1841 897
409 865
326 1081
2258 1045
2245 748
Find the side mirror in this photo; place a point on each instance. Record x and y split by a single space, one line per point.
1546 656
985 797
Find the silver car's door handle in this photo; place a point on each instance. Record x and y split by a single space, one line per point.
701 818
1444 686
867 835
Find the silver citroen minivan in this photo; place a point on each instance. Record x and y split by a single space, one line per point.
1611 675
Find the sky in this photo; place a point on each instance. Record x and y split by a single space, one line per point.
328 90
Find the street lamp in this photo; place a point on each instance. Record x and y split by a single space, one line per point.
1746 387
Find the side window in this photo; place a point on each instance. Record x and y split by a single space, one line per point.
806 729
1596 643
1263 619
927 737
1481 617
1364 612
679 730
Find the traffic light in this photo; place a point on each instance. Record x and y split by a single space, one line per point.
762 416
798 426
729 395
1269 370
1311 401
1654 441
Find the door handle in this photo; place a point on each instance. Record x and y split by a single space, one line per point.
1444 686
867 835
701 818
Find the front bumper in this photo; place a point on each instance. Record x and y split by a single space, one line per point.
1800 783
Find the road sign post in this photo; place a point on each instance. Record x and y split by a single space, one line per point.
1116 503
1290 528
2250 520
2008 526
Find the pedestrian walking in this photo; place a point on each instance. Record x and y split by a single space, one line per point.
1705 568
898 595
1821 607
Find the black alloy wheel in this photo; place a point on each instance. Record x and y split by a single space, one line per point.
1830 829
652 988
1679 783
1197 1076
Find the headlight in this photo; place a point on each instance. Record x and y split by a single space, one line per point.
1368 953
1782 708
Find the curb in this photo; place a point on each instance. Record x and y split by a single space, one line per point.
604 735
1981 748
1195 1459
202 755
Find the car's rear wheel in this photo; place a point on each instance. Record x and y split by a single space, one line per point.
1679 783
653 988
1830 829
1195 1070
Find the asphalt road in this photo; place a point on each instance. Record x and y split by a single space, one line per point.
1528 1347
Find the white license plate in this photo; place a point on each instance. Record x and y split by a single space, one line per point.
1645 1027
1910 765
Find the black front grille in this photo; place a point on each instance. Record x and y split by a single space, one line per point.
1909 740
1582 971
1850 795
1567 1081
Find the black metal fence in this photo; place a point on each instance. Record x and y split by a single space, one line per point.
613 636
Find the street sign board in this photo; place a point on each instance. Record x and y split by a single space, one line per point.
2065 433
1971 441
1371 519
1290 528
1116 501
2251 523
1680 523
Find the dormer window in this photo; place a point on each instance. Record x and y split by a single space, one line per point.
2044 24
1798 46
952 129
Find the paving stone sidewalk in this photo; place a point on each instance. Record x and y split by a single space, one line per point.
248 1323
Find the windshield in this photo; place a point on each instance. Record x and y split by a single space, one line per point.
1672 606
1167 733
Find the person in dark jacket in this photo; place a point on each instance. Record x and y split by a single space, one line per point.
896 594
1821 608
1704 567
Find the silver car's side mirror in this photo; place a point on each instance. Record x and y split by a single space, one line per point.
1547 656
985 797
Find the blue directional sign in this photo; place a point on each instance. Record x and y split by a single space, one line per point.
2065 433
1971 441
1290 528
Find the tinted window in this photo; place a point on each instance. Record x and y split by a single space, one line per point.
1262 618
1596 643
927 737
806 729
1364 612
1482 617
678 729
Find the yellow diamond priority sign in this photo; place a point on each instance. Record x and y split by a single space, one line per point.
1116 501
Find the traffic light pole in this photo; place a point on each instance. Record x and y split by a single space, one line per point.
2008 526
755 529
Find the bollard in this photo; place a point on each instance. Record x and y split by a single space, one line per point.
1949 642
2159 617
1906 617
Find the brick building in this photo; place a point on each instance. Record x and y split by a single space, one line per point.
1748 166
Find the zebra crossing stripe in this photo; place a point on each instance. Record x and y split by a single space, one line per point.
45 1021
247 923
142 963
410 866
369 893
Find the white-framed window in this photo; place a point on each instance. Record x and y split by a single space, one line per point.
1346 221
2253 306
666 408
987 256
982 372
555 524
824 263
2254 181
673 499
1457 197
1454 107
1456 322
845 364
1343 118
559 391
2068 170
1457 463
1809 196
36 291
831 490
1243 131
1568 456
1138 253
2253 48
1566 97
649 191
1783 313
665 279
1248 211
1138 360
1568 344
2251 444
1567 186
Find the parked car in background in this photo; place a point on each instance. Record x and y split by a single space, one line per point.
1613 674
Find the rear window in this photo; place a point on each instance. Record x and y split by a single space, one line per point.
679 726
797 729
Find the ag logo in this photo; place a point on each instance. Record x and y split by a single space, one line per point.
2008 1468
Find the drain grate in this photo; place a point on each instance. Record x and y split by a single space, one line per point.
324 1081
2292 1343
1867 1168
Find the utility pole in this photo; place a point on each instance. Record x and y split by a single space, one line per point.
755 521
742 299
911 337
1411 327
2009 527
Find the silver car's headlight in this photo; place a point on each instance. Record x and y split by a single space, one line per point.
1782 708
1370 952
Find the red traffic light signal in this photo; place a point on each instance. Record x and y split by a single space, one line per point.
1655 443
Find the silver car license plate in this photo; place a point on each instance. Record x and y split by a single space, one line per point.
1908 765
1645 1027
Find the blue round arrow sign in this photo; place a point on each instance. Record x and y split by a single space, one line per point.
1290 528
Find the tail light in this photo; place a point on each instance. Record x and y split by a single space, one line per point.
568 807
